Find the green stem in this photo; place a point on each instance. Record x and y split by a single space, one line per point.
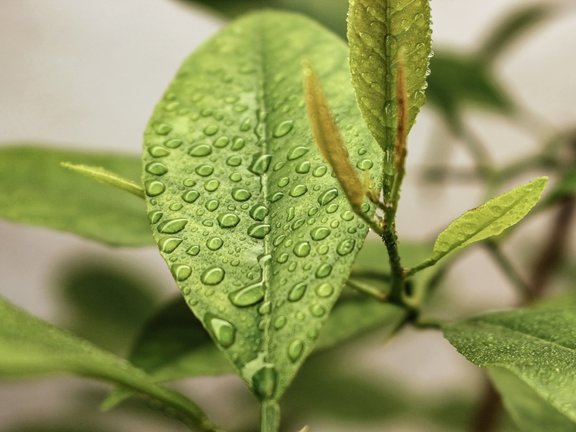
367 290
270 416
423 265
396 270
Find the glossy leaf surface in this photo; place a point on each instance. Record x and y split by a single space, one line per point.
381 34
37 190
537 346
258 234
489 219
29 346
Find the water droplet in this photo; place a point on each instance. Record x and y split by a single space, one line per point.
200 150
317 310
282 258
347 215
240 194
345 247
295 350
169 245
280 322
214 243
212 276
303 168
190 196
260 163
283 181
234 161
328 196
158 152
298 190
278 240
297 152
174 143
211 130
204 170
332 208
323 249
248 296
163 129
365 164
319 171
323 271
189 182
259 212
264 382
193 250
246 125
154 188
223 331
319 233
228 220
181 272
156 168
298 223
259 231
235 177
297 292
221 142
154 216
302 249
238 144
283 129
276 196
211 185
172 226
212 205
325 290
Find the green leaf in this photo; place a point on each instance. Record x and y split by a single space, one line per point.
537 346
258 234
381 35
512 27
107 177
37 190
490 219
29 346
528 410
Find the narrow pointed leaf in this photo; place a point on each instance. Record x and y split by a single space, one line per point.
108 177
536 345
258 234
29 346
490 219
379 34
37 190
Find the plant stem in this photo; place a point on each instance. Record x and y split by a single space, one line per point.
508 269
367 290
270 416
396 270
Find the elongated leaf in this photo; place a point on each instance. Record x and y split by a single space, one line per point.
380 35
537 346
490 219
258 234
36 190
29 346
529 410
107 177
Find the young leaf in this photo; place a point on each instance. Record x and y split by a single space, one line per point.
29 346
37 190
490 219
380 33
104 176
537 346
528 409
258 234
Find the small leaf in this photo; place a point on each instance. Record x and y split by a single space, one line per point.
36 190
380 34
329 139
244 208
29 346
536 345
529 410
490 219
104 176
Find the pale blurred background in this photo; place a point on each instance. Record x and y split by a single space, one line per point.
87 74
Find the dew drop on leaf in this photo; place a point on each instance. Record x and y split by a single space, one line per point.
212 276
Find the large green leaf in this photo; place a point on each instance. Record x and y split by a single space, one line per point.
383 35
29 346
529 410
537 346
36 190
490 219
258 234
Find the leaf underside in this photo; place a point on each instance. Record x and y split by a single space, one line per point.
257 232
37 190
381 34
537 346
490 219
